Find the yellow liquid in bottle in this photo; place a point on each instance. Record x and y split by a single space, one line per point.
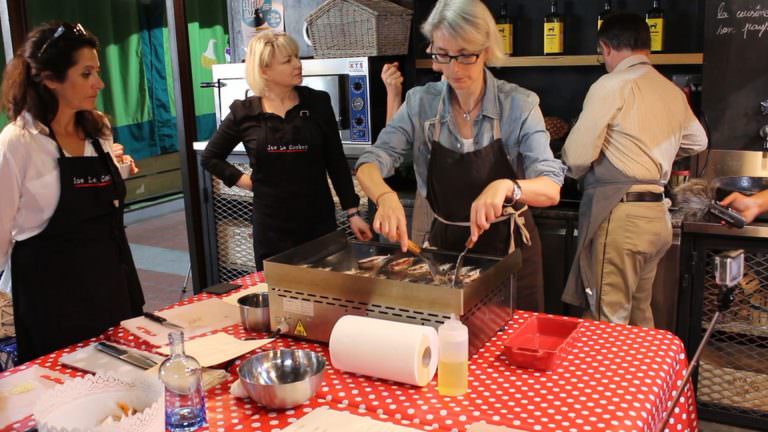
452 378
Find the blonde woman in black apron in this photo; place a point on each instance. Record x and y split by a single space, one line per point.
61 215
290 135
479 147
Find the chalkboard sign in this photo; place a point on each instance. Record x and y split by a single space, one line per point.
736 72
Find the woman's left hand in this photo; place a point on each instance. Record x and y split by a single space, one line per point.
488 206
118 151
361 228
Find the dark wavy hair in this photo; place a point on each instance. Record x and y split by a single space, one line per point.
48 52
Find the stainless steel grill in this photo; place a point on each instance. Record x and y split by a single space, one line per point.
313 285
733 374
232 209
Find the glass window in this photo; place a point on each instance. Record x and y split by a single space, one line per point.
136 68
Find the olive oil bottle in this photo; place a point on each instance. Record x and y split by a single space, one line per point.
655 19
453 358
607 9
554 28
504 26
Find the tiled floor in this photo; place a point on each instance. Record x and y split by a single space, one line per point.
159 246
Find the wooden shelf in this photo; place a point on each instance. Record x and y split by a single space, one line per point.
582 60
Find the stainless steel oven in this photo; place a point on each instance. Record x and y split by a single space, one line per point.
357 95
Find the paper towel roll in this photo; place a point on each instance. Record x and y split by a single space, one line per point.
396 351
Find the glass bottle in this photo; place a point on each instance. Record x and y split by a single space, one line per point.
453 362
655 19
553 31
184 397
607 9
504 26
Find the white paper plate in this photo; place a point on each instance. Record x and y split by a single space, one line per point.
82 404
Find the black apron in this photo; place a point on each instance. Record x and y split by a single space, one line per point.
292 202
454 180
76 278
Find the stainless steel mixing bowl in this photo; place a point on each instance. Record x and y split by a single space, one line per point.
283 378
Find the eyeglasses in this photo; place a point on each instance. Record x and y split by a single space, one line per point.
466 59
76 29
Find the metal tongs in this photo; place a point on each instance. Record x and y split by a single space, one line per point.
460 261
417 251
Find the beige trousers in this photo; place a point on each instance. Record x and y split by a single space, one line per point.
627 249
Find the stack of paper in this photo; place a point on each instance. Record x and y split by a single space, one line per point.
484 427
328 420
196 319
218 348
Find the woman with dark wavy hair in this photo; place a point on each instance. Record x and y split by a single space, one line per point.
62 240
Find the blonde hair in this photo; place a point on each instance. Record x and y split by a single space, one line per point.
470 23
261 51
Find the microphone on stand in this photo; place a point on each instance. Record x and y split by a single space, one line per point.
729 269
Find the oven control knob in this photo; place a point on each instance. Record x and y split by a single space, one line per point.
359 121
357 86
358 103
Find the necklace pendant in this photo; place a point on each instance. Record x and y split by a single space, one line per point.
466 116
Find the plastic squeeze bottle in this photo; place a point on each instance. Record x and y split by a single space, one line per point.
453 364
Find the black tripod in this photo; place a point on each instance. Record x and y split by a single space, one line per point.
729 269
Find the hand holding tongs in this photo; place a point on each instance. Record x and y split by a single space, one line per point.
416 250
460 261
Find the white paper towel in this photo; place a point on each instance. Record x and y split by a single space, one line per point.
396 351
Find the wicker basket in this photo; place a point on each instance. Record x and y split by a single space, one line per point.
359 28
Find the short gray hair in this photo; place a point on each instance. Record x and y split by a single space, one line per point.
470 23
261 50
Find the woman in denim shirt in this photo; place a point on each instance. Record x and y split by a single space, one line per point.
479 148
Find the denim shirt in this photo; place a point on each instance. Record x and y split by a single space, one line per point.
522 131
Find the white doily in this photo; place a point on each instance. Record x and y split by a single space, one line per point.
82 404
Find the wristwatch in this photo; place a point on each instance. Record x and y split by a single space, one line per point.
517 192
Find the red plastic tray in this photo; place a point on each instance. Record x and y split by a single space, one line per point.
541 342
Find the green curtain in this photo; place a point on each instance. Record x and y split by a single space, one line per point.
136 64
125 97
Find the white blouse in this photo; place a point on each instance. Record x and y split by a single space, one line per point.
29 183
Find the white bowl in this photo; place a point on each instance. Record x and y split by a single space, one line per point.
82 404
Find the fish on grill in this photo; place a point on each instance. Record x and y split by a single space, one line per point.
371 262
400 264
418 269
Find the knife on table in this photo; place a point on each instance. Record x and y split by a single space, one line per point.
137 360
162 321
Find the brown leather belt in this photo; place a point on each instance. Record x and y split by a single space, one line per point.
643 197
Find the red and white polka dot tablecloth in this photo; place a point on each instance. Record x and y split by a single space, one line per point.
614 377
